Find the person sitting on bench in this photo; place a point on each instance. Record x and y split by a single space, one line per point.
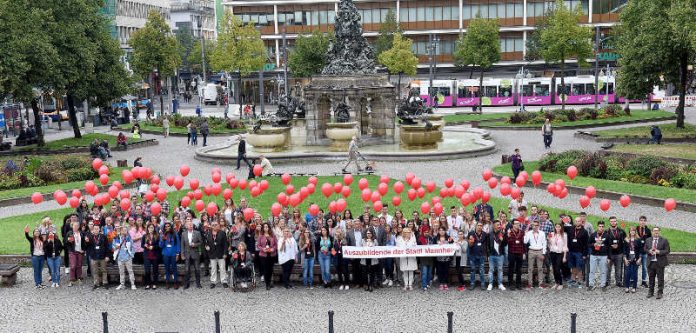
121 140
105 144
656 134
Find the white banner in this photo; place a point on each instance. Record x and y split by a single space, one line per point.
398 252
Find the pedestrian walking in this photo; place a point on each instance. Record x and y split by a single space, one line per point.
165 127
547 132
241 151
204 131
352 154
194 135
517 165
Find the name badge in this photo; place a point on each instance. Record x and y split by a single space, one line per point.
517 242
169 245
632 252
575 240
478 244
96 247
615 241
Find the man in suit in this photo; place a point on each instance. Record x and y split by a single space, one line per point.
354 237
190 242
381 237
657 249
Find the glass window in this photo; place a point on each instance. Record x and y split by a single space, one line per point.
447 13
519 10
577 89
589 89
420 14
502 45
492 11
519 45
501 11
510 45
429 13
315 18
505 91
489 91
527 90
377 15
367 16
467 12
562 89
541 89
323 17
332 17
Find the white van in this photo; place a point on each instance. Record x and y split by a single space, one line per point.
210 94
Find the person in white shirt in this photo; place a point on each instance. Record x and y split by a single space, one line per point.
385 214
407 264
515 204
454 221
536 239
287 252
267 167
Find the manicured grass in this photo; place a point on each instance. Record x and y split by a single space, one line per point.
654 191
181 130
669 131
686 151
460 118
635 115
85 141
14 243
25 192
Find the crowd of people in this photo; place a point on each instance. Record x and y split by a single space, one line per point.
238 243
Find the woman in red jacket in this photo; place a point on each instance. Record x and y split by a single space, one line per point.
267 246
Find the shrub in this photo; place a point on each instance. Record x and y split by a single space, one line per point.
684 180
72 163
561 161
612 110
81 174
662 173
520 117
9 182
644 165
47 173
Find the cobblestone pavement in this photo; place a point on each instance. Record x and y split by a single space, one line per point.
26 309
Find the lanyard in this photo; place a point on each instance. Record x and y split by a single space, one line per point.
535 236
641 232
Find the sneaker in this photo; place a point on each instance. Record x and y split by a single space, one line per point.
391 283
627 290
644 284
225 285
154 287
244 284
461 288
67 271
410 288
384 283
446 287
542 286
579 285
147 287
604 289
528 287
70 284
340 288
633 290
133 287
94 287
560 287
262 279
490 287
501 287
347 287
120 286
311 288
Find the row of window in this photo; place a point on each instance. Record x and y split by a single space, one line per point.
136 9
445 47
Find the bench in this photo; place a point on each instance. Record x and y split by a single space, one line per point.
26 142
8 274
5 146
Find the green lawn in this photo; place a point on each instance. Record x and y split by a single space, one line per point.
14 242
460 118
669 131
24 192
181 130
654 191
686 151
85 141
635 115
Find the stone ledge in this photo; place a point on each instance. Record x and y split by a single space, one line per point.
570 127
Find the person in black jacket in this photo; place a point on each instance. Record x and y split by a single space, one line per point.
151 250
215 245
67 220
52 249
577 252
96 250
497 241
632 259
644 233
599 249
241 152
616 238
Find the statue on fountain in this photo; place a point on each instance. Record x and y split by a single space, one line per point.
342 113
349 52
413 109
290 106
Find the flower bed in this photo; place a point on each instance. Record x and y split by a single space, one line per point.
44 170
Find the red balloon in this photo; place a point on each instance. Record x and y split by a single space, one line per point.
492 182
465 184
113 191
332 207
264 185
186 201
563 194
505 180
486 196
313 180
572 172
377 205
487 174
458 191
149 196
382 188
137 172
560 182
443 192
411 194
252 184
421 192
515 192
178 182
255 191
438 208
125 204
670 204
536 177
505 189
285 178
384 179
228 177
161 194
242 184
190 195
363 184
234 182
520 181
258 169
208 190
127 176
590 191
154 187
276 208
425 208
155 208
76 193
97 163
604 204
416 183
169 180
524 175
194 183
478 192
314 209
429 186
396 201
290 189
199 205
366 194
74 202
551 188
184 170
375 196
282 198
304 192
198 194
36 198
345 191
625 200
117 184
409 177
348 179
155 180
341 204
435 199
124 194
398 187
337 188
465 199
584 201
311 187
148 173
217 188
216 177
449 182
103 170
559 189
211 209
227 193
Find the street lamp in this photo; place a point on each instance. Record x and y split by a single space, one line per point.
520 75
433 42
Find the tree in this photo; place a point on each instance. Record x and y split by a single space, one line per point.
565 38
387 30
155 49
239 48
656 40
479 47
309 55
194 58
399 59
184 39
27 57
110 80
533 45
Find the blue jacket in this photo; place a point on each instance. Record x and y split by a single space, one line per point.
125 253
171 246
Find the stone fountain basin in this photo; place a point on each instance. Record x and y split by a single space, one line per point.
341 131
269 138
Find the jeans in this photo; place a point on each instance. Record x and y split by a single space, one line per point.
151 271
170 268
426 275
75 265
37 263
325 265
598 262
342 270
287 270
244 158
389 268
476 264
615 260
644 265
54 267
631 275
547 140
443 272
122 267
267 263
495 263
308 271
515 267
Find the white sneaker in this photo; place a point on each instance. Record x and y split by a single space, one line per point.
262 279
391 283
385 282
347 287
120 286
340 288
501 287
133 287
490 287
244 285
67 271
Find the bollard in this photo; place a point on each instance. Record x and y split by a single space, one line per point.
217 321
450 322
105 321
331 328
573 318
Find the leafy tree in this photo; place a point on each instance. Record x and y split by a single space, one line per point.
194 58
155 49
309 55
387 30
111 80
479 47
656 39
534 38
27 57
239 48
565 38
185 41
399 59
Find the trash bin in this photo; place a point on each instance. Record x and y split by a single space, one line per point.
96 120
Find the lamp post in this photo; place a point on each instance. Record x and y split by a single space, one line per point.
521 75
285 66
433 42
596 77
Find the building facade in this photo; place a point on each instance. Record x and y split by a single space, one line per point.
197 16
131 15
445 20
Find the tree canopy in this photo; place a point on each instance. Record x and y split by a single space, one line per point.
194 57
399 59
480 47
154 47
387 30
309 55
239 47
